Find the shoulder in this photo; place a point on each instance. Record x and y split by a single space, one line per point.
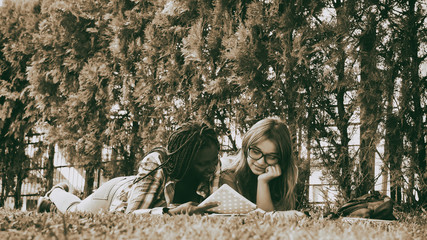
228 176
149 162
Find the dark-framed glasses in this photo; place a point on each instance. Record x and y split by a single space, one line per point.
257 154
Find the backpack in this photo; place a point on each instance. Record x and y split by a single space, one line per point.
372 205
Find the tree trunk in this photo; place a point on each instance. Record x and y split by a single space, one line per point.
393 156
418 113
226 130
127 166
370 100
115 163
91 168
21 159
49 174
342 125
393 147
302 188
90 179
291 89
17 195
3 195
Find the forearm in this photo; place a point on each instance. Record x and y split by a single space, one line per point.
152 211
263 198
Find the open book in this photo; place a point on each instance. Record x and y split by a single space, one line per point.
231 202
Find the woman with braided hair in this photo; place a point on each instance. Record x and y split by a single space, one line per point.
170 180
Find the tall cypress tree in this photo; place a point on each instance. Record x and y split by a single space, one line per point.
369 95
18 115
413 97
335 102
68 77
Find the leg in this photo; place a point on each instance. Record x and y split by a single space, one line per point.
62 199
44 204
97 201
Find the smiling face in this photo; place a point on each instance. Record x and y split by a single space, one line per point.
205 162
265 147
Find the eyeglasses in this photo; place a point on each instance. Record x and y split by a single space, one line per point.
257 154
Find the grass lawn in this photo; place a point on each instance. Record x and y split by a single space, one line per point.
32 225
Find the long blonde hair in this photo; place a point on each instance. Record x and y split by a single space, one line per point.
282 187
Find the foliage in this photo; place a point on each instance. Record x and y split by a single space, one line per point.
122 74
18 115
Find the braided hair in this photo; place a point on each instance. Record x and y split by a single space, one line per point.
183 145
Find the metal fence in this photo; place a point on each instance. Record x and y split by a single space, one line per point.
35 185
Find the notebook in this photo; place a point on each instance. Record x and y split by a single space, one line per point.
231 202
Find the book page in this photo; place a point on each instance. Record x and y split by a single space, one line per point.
231 202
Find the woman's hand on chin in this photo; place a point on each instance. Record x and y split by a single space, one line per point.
271 172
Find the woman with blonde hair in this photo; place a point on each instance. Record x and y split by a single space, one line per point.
265 170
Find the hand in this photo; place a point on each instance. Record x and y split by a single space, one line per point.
191 208
271 172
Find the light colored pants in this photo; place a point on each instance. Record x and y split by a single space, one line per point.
94 203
